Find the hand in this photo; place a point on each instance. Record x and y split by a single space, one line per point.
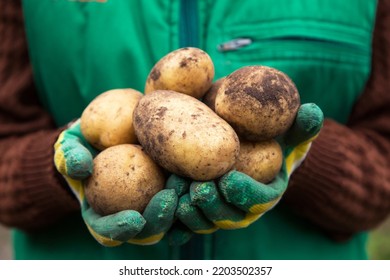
179 234
237 200
74 160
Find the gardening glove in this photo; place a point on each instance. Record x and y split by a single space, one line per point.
237 200
179 233
74 160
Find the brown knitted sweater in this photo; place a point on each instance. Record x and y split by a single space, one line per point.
343 186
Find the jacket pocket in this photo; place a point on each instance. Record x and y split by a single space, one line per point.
299 42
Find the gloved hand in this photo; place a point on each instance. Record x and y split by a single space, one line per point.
237 200
74 160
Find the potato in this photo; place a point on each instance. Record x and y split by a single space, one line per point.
186 70
211 94
185 136
123 177
260 160
108 120
259 102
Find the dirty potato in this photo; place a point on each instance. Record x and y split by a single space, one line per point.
185 136
260 160
186 70
259 102
108 119
211 94
123 178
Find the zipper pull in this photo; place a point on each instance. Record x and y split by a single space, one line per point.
234 44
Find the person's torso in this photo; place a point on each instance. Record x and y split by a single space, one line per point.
81 49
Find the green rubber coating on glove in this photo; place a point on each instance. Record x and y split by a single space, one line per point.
75 132
307 124
159 214
191 215
180 184
120 226
78 159
78 153
244 192
179 234
205 195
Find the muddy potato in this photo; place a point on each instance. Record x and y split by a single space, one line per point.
123 177
259 102
186 70
108 120
184 136
211 94
260 160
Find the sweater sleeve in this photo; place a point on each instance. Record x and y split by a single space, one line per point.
32 193
343 186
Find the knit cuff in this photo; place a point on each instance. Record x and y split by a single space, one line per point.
325 189
45 189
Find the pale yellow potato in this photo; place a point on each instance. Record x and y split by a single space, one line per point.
211 94
259 102
260 160
185 136
123 178
186 70
108 119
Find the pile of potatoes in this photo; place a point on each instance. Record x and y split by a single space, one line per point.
187 125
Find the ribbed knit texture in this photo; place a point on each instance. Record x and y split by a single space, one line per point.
32 194
344 184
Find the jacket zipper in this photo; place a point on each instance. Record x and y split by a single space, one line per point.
189 24
297 47
234 44
189 37
241 42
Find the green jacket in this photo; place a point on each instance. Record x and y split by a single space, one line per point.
81 49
